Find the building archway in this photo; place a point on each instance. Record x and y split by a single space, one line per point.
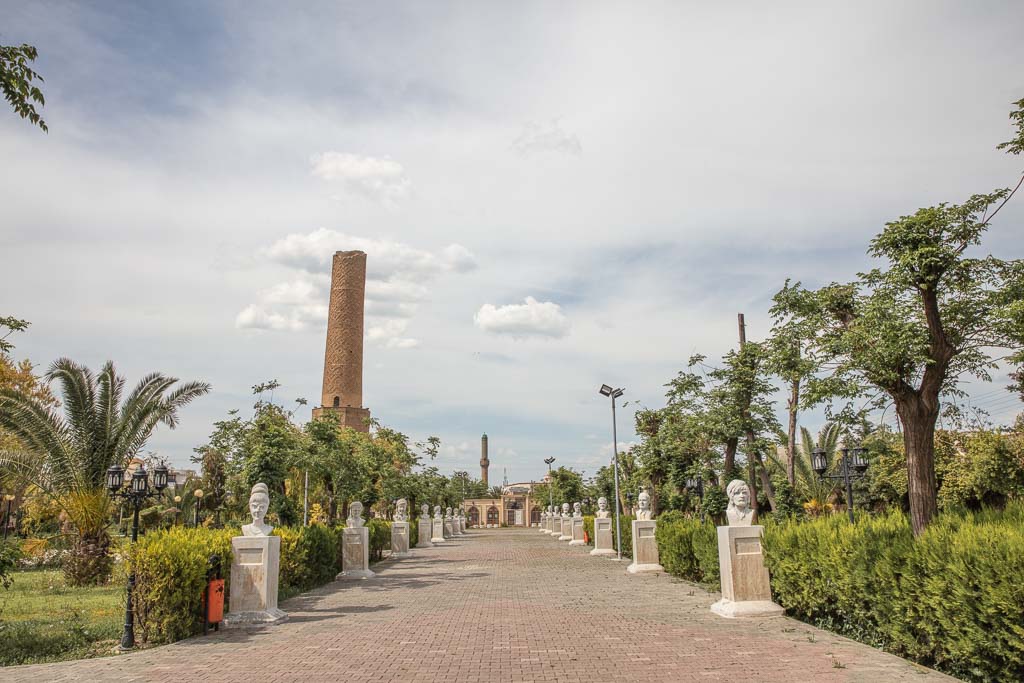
474 516
492 516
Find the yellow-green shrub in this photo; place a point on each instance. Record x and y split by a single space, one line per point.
170 575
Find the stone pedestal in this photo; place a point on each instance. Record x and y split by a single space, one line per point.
604 535
566 529
577 532
745 588
556 528
423 537
399 539
255 564
457 526
645 548
447 528
437 531
543 525
355 554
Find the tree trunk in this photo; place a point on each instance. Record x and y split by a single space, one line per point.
332 502
730 459
655 497
919 417
752 485
794 402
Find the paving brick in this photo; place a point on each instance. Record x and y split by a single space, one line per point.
501 605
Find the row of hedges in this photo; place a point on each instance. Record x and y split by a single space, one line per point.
951 599
171 565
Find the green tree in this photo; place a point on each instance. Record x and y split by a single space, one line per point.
913 328
16 82
68 456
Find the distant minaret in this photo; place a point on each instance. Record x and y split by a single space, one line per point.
484 462
505 478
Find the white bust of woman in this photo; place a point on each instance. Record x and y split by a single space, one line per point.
577 510
424 511
602 508
355 515
437 512
644 504
447 513
259 502
738 513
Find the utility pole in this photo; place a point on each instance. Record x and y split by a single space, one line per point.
305 501
754 463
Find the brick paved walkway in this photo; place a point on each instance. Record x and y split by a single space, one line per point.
502 605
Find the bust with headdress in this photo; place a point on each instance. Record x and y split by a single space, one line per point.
259 503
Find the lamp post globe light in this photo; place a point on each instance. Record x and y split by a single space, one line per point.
613 394
135 494
198 493
853 465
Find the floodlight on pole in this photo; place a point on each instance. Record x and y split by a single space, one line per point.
614 394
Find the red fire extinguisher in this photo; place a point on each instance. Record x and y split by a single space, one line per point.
213 597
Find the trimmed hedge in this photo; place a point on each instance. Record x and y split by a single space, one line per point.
687 548
171 566
951 599
380 538
170 575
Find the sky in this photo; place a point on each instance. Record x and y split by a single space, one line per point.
552 196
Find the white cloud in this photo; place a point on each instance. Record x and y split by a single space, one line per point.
381 179
386 259
547 137
530 319
389 334
396 282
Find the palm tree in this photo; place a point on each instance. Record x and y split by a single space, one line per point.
815 491
67 455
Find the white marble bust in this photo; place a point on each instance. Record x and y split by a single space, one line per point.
259 502
565 509
437 512
552 511
644 504
577 510
424 511
355 515
602 508
447 513
401 508
739 513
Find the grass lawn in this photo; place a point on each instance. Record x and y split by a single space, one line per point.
44 620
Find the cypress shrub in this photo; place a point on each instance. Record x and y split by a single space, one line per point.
687 548
951 598
627 534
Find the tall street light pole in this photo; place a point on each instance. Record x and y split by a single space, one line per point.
614 394
551 481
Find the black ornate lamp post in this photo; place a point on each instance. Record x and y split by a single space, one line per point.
613 394
696 485
852 466
135 494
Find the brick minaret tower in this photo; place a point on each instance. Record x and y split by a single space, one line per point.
484 462
343 360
